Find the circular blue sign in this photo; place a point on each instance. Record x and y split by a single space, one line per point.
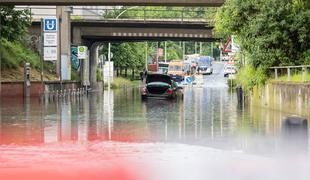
189 79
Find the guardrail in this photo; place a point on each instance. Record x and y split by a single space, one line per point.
303 69
85 13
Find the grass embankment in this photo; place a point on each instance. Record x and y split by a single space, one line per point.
294 78
120 82
15 55
248 78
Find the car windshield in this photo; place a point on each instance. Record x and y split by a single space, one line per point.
175 68
204 61
158 78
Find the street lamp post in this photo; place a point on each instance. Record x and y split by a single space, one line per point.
125 11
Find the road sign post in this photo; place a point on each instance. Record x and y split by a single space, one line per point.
50 39
82 52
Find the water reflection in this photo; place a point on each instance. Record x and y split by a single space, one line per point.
207 117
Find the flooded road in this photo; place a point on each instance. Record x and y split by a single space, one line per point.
116 136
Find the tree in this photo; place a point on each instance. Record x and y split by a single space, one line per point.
271 32
132 54
14 23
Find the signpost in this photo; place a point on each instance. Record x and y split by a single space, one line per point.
82 52
50 39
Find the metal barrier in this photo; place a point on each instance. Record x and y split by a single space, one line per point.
288 70
65 94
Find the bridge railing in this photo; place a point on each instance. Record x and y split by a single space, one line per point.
101 13
289 71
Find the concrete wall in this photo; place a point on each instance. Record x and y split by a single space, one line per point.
55 85
16 89
291 98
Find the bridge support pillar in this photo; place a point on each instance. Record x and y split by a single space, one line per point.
63 65
93 54
76 36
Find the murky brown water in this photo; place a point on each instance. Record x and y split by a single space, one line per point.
115 135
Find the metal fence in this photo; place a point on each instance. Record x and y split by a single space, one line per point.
289 70
100 13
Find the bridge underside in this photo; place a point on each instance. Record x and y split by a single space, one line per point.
140 31
213 3
92 39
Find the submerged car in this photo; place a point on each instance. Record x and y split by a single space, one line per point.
160 85
205 70
228 70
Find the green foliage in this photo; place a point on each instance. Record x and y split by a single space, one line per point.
271 32
129 54
14 23
295 77
99 75
249 77
120 82
15 54
75 75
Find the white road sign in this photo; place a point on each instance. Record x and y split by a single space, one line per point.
50 39
108 71
82 52
50 53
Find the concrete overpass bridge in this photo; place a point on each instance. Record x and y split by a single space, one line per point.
85 31
93 33
89 25
93 30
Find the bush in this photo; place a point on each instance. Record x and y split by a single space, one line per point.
248 77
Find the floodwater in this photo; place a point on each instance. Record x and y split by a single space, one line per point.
115 136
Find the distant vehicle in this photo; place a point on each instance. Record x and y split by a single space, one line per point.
191 57
160 85
176 70
190 68
228 70
205 65
163 67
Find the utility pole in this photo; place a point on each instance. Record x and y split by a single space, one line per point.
183 51
0 59
146 55
109 60
165 51
212 49
41 50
